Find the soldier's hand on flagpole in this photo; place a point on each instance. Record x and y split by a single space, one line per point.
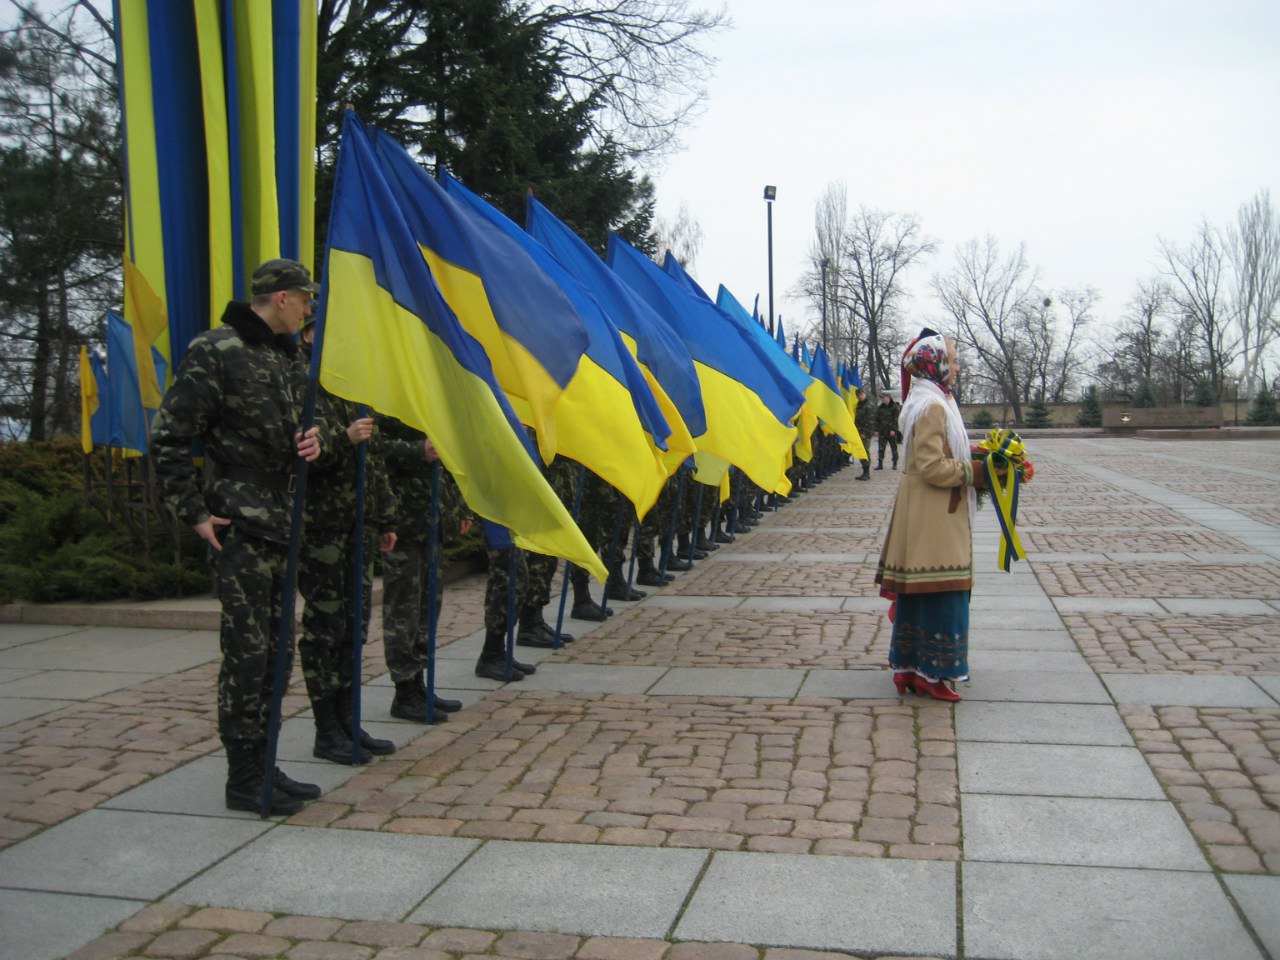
308 444
208 530
360 430
387 542
465 526
429 451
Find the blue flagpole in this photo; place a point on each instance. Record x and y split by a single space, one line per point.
696 536
568 567
288 601
676 502
433 578
511 611
357 641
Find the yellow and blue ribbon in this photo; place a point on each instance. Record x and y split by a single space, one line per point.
1005 452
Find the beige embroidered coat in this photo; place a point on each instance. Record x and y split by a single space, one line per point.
929 548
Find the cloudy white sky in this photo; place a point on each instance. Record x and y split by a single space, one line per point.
1085 129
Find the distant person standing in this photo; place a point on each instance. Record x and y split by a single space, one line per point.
239 393
887 429
864 418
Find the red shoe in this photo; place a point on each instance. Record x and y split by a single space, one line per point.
938 690
904 680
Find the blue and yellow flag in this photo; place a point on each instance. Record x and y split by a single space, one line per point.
607 419
389 339
825 399
94 426
748 410
525 322
662 356
218 113
129 420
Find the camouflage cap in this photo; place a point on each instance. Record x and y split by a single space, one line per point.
275 275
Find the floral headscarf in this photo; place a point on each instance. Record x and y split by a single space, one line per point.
926 358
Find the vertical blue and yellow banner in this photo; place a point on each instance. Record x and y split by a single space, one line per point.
218 105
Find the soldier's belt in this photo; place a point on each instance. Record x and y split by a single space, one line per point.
262 478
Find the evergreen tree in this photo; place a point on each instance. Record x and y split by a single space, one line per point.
1038 413
473 86
1144 395
983 419
1262 411
1090 414
1205 394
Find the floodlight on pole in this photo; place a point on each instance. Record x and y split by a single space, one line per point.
770 194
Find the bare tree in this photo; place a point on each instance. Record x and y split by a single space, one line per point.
987 294
642 60
1254 252
682 236
1197 274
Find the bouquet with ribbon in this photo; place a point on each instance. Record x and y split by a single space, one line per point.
1004 461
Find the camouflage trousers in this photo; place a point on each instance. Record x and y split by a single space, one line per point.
249 578
500 583
326 580
405 608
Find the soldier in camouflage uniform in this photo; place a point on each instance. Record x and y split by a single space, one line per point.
326 578
239 393
408 456
595 520
534 631
887 429
864 418
492 664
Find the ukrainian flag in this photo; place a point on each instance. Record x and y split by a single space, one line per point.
607 419
824 396
662 356
749 411
525 322
218 108
389 339
94 415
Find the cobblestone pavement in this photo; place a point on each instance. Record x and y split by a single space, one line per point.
799 776
664 636
1140 575
175 930
1222 768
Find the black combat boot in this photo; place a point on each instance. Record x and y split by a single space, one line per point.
492 664
410 703
584 608
332 742
244 782
346 716
617 587
866 471
283 782
534 631
649 576
440 703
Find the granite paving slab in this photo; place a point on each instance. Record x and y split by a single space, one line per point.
1035 686
728 682
352 874
1078 831
1258 898
1094 724
573 888
1056 770
49 926
1017 911
14 709
118 853
1200 691
825 903
589 678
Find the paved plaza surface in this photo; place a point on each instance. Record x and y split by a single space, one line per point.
721 771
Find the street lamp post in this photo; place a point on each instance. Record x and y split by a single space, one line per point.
825 263
770 194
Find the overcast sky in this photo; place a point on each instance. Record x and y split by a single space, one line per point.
1085 129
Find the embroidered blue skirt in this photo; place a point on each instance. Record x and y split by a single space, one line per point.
931 634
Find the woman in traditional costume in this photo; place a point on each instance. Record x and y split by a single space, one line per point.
926 566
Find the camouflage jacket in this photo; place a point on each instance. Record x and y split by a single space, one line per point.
239 394
864 418
887 417
400 447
